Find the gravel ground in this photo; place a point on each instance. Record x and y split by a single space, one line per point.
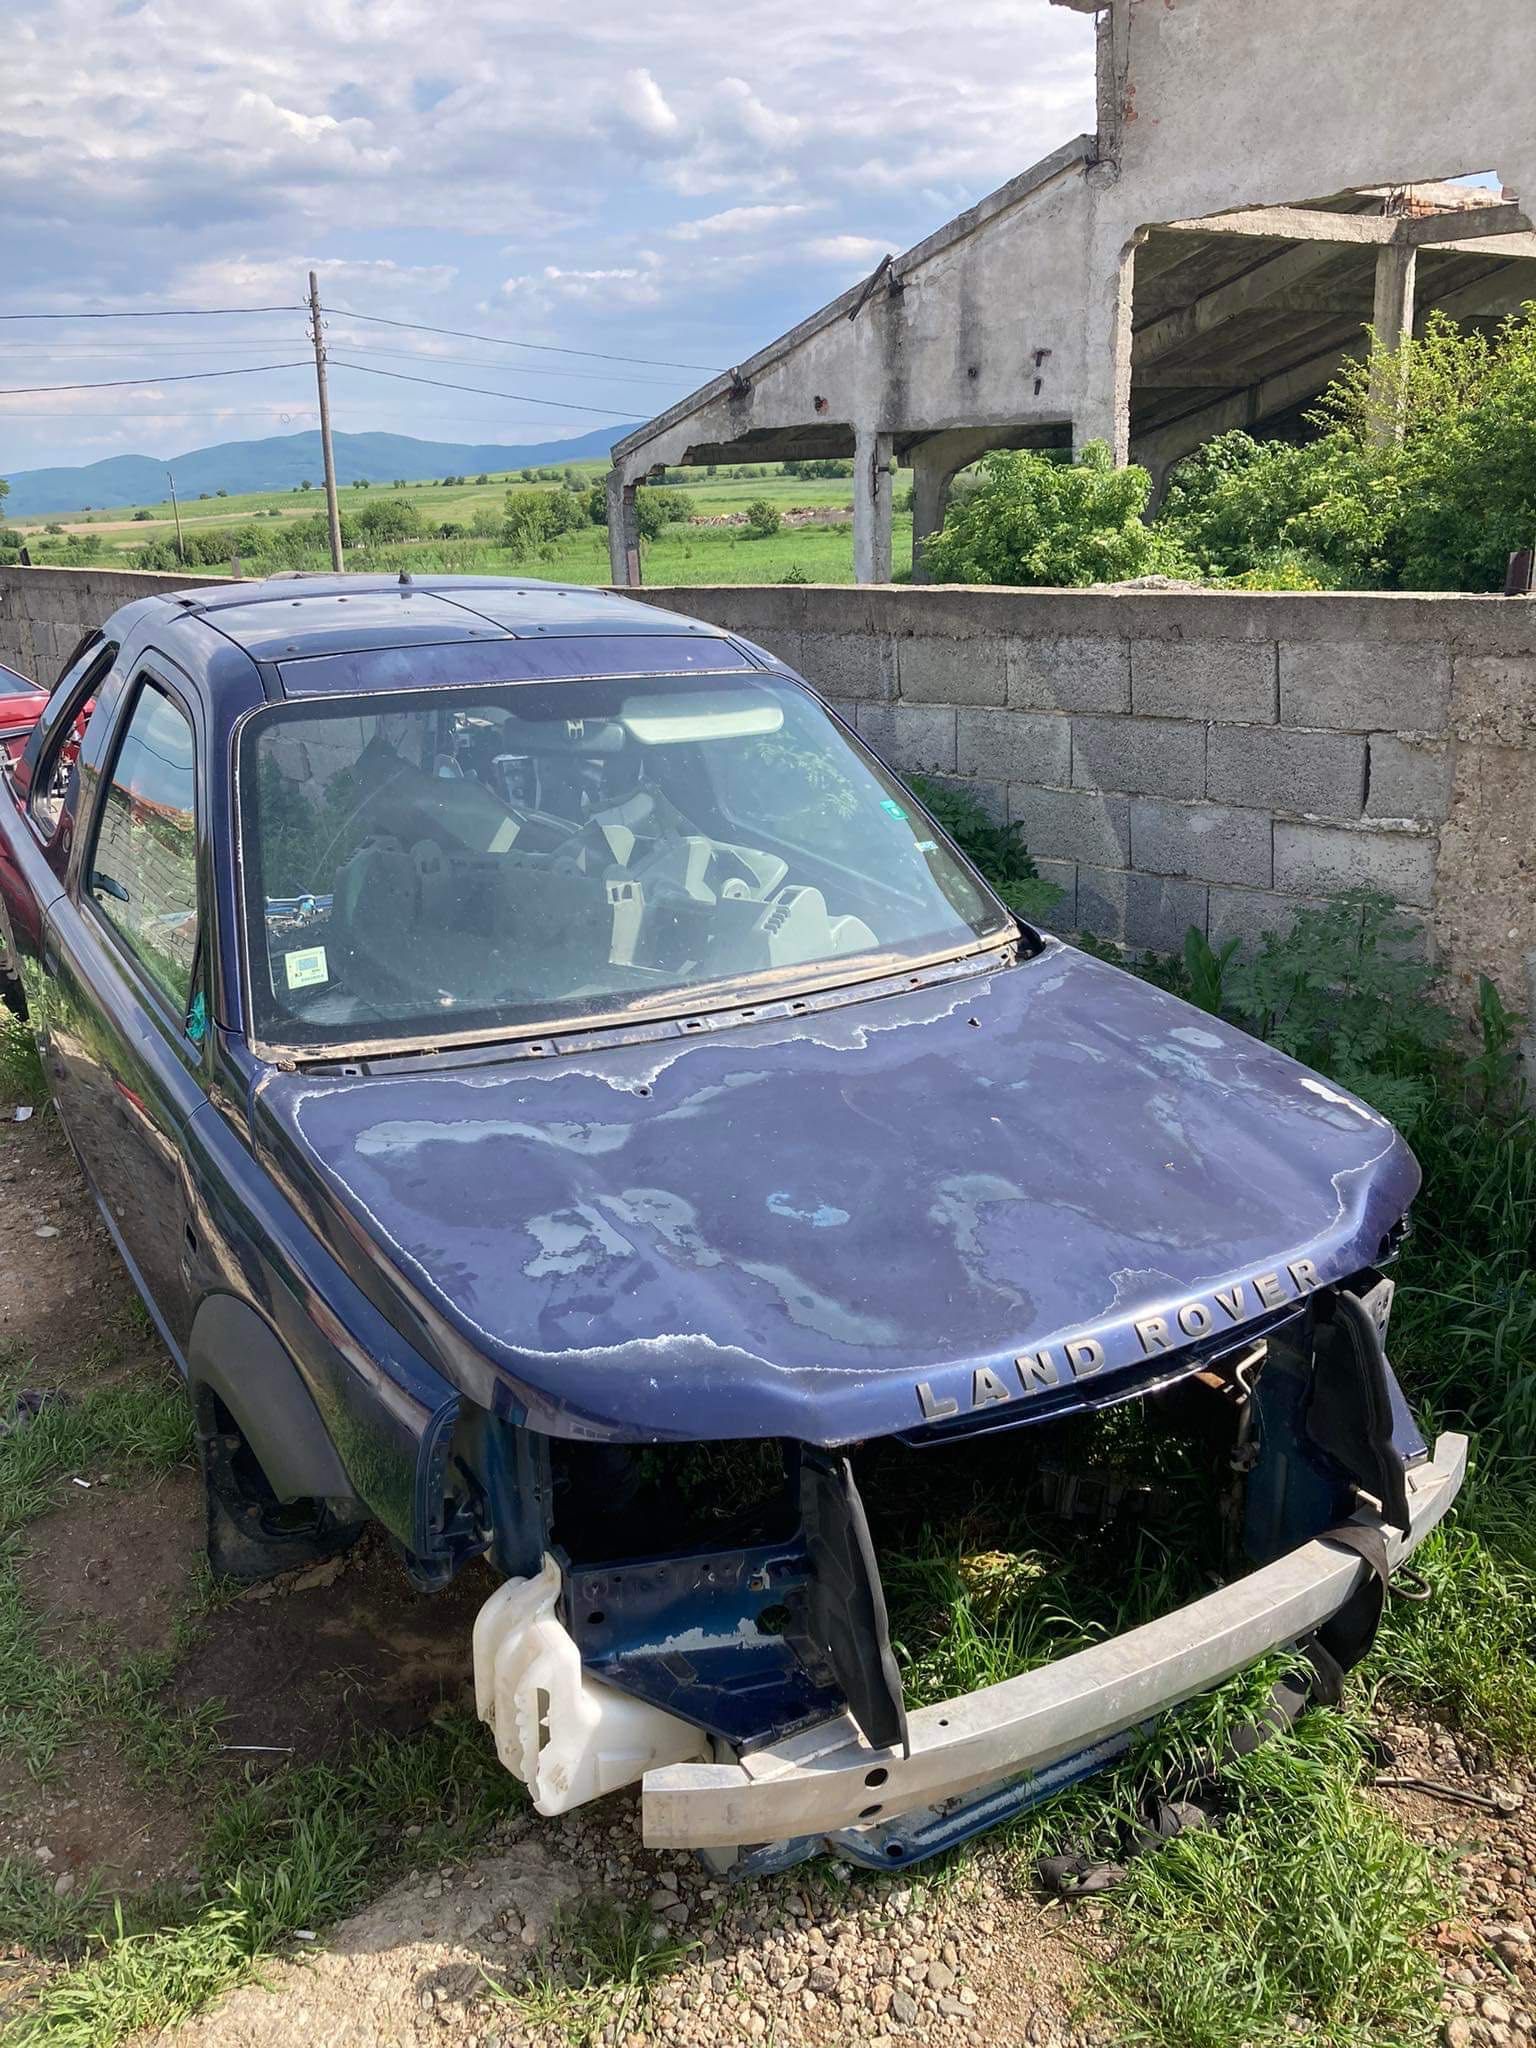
819 1957
824 1957
1488 1951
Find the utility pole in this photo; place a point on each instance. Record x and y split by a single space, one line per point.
181 552
332 508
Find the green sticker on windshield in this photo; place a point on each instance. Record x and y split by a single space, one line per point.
889 803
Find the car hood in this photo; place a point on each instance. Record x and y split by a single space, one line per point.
909 1210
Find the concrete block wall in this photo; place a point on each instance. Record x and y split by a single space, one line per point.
1174 757
44 612
1203 758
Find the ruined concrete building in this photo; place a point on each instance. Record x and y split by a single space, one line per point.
1264 181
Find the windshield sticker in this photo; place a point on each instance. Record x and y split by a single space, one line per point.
306 969
889 803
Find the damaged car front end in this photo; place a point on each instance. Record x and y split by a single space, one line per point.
647 1056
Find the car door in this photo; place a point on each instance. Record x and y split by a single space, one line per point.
44 784
124 952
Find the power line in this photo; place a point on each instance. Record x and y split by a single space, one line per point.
544 347
182 377
428 361
160 313
441 384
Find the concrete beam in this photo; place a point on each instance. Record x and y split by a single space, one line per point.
1465 224
1505 291
1246 294
1466 228
1514 248
1290 224
1176 438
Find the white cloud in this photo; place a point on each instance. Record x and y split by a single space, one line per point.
740 220
857 251
506 155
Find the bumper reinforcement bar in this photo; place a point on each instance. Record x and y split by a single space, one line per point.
827 1779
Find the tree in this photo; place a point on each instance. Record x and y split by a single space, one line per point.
533 517
387 519
306 485
221 492
763 519
1035 520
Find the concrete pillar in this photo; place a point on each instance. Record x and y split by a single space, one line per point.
933 472
935 464
1392 320
871 506
1103 412
623 532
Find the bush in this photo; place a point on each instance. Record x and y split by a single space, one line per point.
998 850
1035 520
387 519
142 514
533 518
654 509
1435 497
763 519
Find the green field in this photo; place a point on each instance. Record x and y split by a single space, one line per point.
694 551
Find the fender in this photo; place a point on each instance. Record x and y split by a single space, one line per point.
240 1358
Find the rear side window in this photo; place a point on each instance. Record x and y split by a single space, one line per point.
142 870
60 728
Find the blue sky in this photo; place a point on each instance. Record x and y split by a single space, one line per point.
680 181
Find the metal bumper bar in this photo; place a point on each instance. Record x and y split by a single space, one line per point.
828 1778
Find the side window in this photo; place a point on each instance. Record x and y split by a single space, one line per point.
141 872
61 728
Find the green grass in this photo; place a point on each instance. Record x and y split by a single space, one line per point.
21 1071
300 1850
684 554
1298 1920
46 1698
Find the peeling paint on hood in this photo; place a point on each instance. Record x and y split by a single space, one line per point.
782 1228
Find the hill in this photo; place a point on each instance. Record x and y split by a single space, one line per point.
278 464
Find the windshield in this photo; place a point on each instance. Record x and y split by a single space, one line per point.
457 862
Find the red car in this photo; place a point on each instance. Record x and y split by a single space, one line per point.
21 703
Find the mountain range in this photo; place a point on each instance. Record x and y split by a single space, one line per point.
277 465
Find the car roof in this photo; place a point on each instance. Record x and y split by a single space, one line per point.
289 618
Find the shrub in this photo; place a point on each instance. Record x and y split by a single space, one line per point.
763 519
388 519
998 850
534 518
653 509
1035 520
142 514
1436 502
